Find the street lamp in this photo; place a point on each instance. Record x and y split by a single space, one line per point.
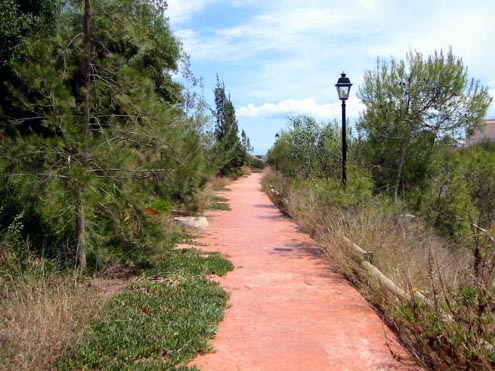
343 86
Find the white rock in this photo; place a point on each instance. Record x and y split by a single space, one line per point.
194 222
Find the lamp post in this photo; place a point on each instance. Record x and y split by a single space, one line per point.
343 86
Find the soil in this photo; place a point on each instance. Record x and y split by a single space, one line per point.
288 311
113 280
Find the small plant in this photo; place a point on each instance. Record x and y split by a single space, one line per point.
220 183
219 206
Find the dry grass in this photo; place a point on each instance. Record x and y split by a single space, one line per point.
219 183
39 317
246 170
216 184
404 249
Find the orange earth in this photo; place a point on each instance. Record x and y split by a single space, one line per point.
288 311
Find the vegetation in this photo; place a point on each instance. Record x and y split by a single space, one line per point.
92 133
219 203
40 314
95 133
416 199
232 151
257 163
412 104
163 320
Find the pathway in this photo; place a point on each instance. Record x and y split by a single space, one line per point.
288 311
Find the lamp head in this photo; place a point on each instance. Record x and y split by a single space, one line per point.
343 86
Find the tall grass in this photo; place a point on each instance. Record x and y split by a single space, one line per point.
456 332
40 315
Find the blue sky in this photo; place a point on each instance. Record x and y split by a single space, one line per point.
280 58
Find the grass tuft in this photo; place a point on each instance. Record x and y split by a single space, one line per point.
219 206
218 203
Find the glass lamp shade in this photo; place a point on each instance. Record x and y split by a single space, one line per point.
343 86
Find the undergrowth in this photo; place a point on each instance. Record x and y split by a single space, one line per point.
218 203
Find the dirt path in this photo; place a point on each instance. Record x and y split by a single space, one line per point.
288 311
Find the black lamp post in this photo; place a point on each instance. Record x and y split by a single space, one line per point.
343 86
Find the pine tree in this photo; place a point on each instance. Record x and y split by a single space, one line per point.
98 131
231 154
410 105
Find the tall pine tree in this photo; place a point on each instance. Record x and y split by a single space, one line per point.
231 153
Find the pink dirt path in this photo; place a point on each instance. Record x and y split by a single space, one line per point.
287 311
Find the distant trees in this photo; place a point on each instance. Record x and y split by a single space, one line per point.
309 149
311 153
231 152
411 104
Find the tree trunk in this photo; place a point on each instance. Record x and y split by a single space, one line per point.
80 218
81 233
402 160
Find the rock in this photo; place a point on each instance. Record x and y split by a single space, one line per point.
194 222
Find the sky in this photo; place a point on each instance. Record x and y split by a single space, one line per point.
281 58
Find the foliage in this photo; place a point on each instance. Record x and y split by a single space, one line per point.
161 322
462 193
257 162
311 150
246 142
79 161
410 105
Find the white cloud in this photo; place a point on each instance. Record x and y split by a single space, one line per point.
282 52
181 11
306 106
286 29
